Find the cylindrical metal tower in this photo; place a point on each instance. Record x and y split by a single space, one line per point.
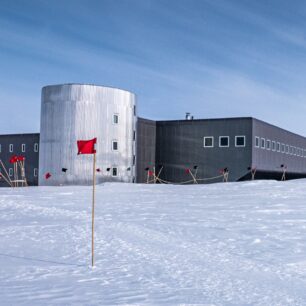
72 112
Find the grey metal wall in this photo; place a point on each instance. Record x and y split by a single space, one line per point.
269 160
146 146
179 145
31 156
72 112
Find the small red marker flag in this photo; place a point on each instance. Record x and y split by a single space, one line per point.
47 175
187 171
86 146
13 159
20 158
151 173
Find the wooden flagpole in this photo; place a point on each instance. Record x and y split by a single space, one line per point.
93 209
148 176
6 173
194 179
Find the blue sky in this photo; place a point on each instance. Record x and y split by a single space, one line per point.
213 58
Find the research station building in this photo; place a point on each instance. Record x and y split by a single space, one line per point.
130 148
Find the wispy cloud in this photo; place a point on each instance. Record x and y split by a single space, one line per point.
216 58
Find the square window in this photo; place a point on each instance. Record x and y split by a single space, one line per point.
116 119
115 145
273 146
256 142
11 148
291 150
224 141
35 172
268 144
278 146
23 147
35 147
114 171
240 141
287 149
208 142
283 148
263 143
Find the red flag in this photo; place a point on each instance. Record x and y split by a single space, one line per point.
187 171
47 175
86 146
20 158
151 173
13 159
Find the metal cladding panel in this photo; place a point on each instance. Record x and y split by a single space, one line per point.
180 146
146 147
269 160
30 142
80 112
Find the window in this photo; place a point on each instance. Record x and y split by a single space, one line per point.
10 171
263 143
287 149
291 150
134 160
278 146
35 172
294 150
283 148
116 119
208 142
23 147
115 145
11 148
268 147
273 146
256 142
134 109
114 171
134 135
240 141
224 141
35 147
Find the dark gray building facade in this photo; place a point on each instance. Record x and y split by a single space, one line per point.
26 145
204 146
207 146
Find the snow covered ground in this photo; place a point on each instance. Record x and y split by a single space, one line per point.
221 244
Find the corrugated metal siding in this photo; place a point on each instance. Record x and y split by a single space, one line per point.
268 160
31 156
72 112
179 145
146 146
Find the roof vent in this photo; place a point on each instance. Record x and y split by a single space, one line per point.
188 116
